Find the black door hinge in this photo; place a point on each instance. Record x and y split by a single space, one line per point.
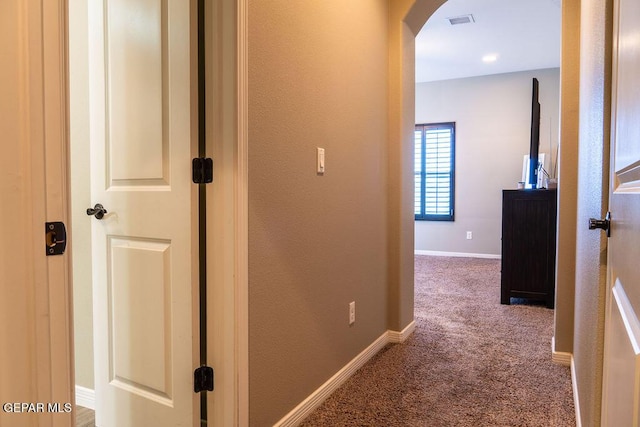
202 170
203 379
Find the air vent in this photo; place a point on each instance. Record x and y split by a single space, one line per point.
463 19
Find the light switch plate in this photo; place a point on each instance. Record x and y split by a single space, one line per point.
352 312
320 160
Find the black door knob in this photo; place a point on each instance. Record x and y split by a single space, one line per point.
603 224
98 211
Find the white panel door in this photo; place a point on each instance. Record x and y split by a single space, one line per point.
140 115
621 382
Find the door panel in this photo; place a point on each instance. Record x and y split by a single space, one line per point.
141 149
627 150
621 382
137 75
138 269
623 364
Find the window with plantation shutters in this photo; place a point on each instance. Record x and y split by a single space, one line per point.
434 171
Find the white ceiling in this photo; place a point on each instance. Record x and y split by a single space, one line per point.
523 34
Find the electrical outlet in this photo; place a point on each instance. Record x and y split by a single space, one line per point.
352 312
469 235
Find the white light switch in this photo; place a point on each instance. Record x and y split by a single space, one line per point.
320 160
352 312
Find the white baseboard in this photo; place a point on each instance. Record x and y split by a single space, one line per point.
400 337
300 412
457 254
85 397
574 385
559 357
566 359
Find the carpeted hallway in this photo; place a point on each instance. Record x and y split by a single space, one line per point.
470 361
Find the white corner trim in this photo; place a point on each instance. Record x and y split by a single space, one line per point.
559 357
400 337
300 412
241 220
576 400
457 254
85 397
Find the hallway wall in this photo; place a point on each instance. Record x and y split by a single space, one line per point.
80 192
567 177
593 191
318 77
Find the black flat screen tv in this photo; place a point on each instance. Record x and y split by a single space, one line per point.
535 137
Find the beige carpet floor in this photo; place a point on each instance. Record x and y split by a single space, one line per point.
470 361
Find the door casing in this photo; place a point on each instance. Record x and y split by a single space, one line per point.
228 302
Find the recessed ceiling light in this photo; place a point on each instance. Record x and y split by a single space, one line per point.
490 58
462 19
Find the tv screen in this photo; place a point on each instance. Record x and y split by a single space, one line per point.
535 136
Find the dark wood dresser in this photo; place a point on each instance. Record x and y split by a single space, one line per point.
528 245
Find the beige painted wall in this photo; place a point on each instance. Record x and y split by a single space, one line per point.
493 126
567 177
80 192
593 187
405 20
318 76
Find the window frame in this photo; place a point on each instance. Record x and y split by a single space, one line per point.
423 216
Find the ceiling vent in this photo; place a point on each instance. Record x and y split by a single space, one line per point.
462 19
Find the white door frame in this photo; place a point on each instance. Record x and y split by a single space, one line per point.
227 224
42 367
228 302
